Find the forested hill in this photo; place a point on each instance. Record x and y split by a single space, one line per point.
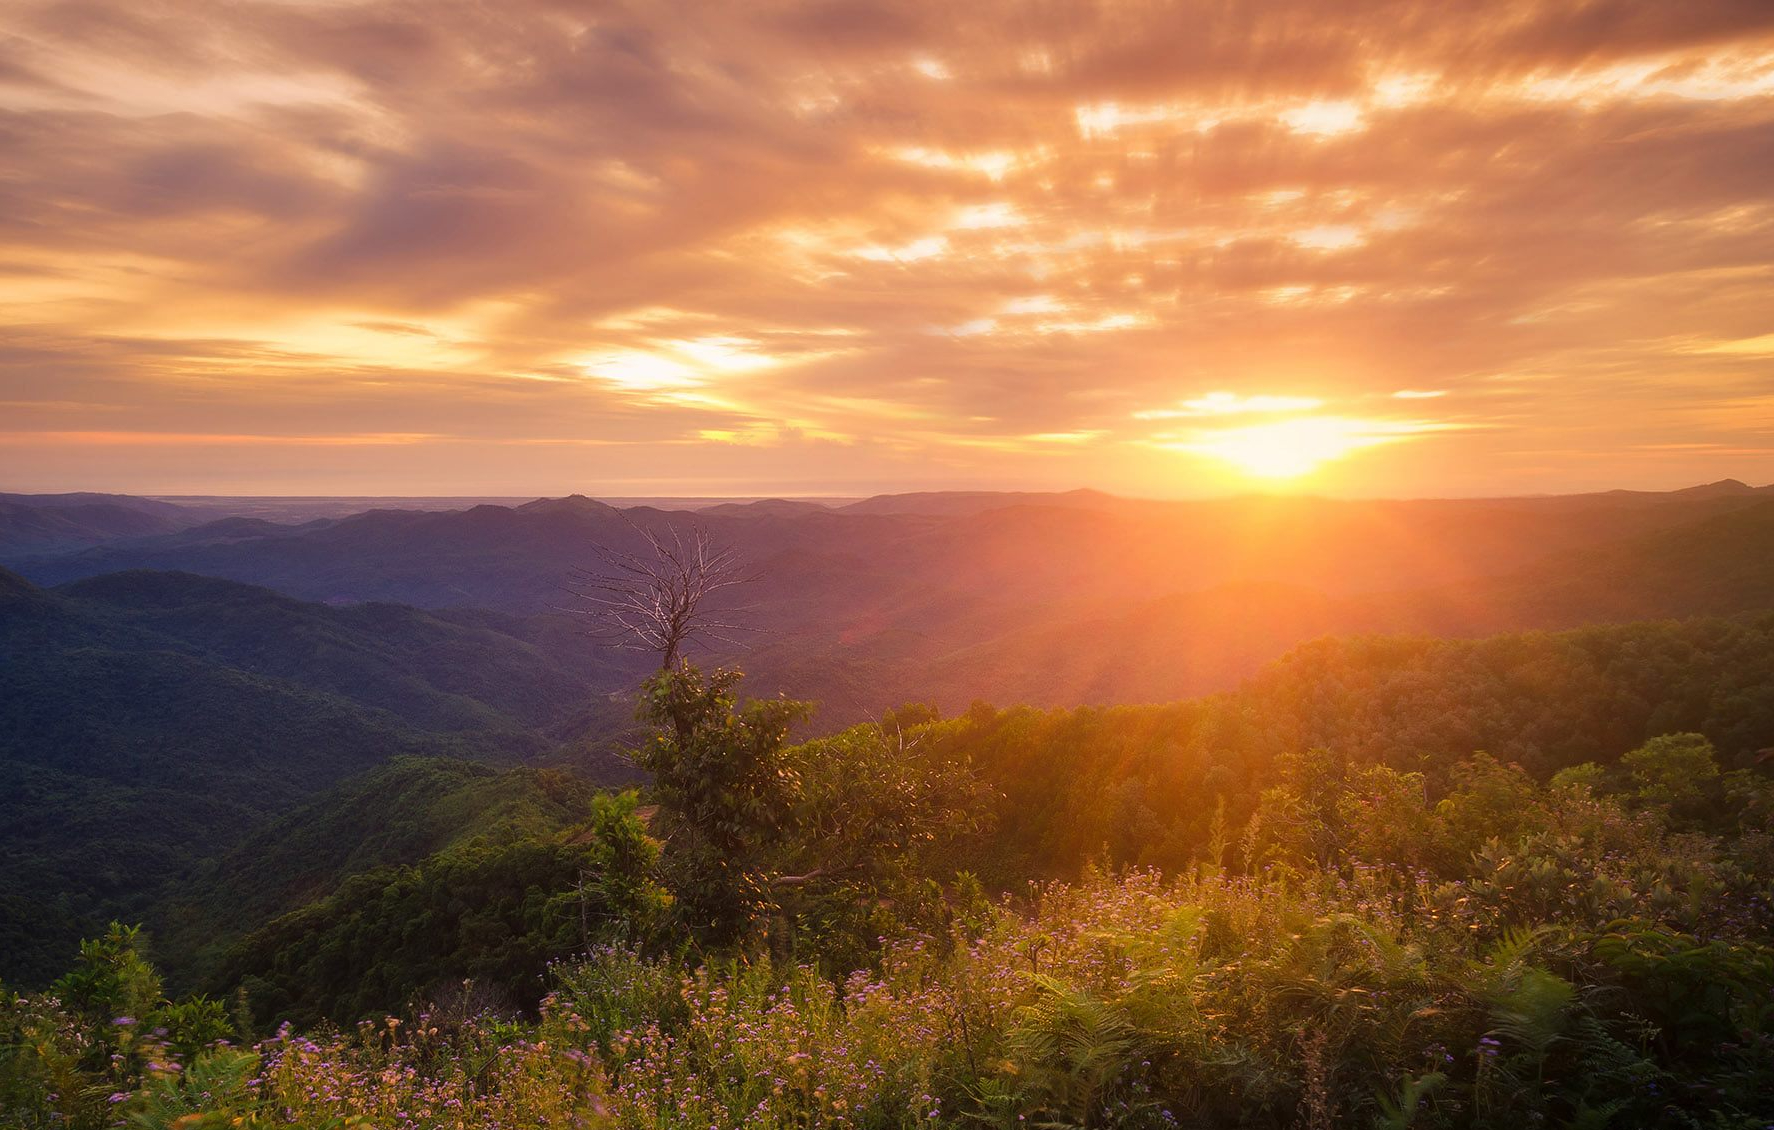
49 523
1028 549
1144 649
1717 565
1140 784
398 814
1052 600
1495 861
149 721
496 678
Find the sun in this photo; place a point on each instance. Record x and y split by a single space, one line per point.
1293 448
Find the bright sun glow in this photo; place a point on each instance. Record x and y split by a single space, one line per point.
1288 449
677 364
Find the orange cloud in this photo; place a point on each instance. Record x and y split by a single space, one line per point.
199 439
802 243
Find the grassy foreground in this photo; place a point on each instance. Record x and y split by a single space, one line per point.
1373 1000
1351 944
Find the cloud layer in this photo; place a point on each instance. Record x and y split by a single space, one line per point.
839 247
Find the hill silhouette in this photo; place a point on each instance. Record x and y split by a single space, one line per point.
1051 599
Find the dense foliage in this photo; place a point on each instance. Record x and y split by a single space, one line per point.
758 841
765 838
1570 954
1142 785
491 914
150 721
725 786
1391 882
394 816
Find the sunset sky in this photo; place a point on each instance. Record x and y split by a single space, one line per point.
1364 247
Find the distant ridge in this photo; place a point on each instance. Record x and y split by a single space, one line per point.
55 523
963 503
14 587
1719 565
90 498
769 507
1724 488
571 504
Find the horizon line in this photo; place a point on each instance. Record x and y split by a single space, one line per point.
860 496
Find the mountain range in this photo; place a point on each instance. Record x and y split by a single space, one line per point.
170 689
1026 597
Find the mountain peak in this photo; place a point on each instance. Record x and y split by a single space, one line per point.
571 504
1721 489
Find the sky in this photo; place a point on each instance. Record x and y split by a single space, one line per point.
1357 247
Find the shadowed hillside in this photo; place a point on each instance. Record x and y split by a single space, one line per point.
396 814
148 721
48 523
1050 599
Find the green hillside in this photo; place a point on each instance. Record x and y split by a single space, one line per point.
396 814
151 722
434 673
119 771
1141 784
488 912
1316 900
1721 564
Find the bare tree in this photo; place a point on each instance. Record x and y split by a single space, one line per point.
659 600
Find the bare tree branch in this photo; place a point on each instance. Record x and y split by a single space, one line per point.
655 601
